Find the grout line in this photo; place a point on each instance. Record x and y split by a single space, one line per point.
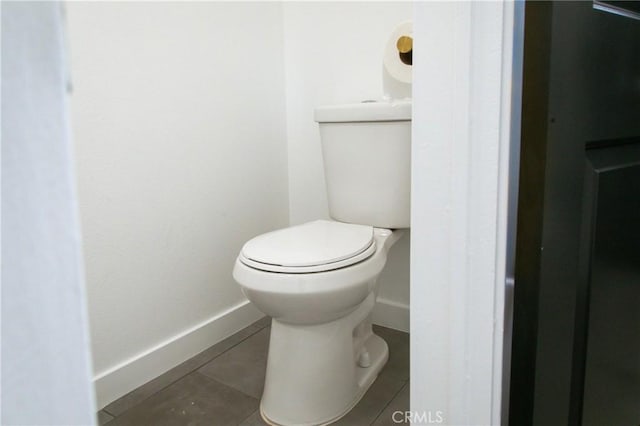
389 402
245 419
211 359
233 388
258 329
114 416
259 398
108 421
228 349
267 323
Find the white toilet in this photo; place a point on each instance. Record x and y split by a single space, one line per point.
318 280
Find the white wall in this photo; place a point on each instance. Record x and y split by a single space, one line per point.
333 54
194 132
179 123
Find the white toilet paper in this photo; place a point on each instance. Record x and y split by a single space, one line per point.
397 74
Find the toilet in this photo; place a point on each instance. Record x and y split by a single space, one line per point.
317 280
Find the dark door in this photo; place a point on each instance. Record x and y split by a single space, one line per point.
576 330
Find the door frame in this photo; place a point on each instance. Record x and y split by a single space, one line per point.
465 155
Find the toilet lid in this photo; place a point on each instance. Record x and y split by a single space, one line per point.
312 247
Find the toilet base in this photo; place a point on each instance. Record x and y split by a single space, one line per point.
379 355
317 374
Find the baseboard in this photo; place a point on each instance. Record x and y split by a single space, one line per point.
390 314
121 379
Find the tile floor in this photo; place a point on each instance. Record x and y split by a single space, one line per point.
223 384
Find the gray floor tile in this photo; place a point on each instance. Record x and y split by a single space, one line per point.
263 322
194 400
242 367
104 417
254 420
143 392
400 403
373 402
398 341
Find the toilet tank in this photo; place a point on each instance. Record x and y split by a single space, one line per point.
366 151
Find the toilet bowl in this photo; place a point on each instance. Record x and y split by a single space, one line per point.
318 283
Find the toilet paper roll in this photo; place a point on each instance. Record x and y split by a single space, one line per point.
397 63
398 53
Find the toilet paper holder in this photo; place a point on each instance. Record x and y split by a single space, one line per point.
405 49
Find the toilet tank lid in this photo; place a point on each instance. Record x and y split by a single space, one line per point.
397 110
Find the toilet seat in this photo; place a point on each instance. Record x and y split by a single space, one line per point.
317 246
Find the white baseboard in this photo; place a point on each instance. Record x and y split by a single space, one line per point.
121 379
390 314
